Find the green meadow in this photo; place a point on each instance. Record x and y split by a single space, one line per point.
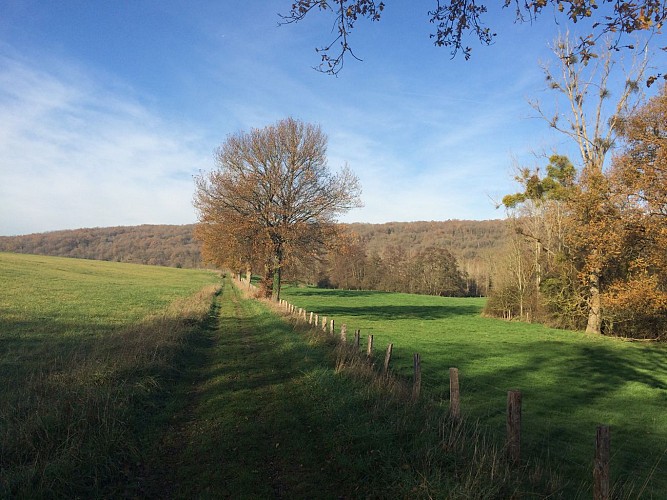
51 295
124 381
127 381
570 382
86 350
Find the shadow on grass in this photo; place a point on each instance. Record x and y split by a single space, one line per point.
425 312
257 433
80 409
275 420
568 390
318 292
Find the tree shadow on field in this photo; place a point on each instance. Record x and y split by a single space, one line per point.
423 312
44 344
81 403
257 425
568 390
317 292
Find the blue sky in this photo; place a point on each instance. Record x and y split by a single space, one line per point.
108 109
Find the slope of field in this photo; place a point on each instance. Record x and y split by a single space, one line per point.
85 350
571 382
118 383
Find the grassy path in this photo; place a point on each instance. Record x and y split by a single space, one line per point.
248 430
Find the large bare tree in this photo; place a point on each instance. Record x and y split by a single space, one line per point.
273 197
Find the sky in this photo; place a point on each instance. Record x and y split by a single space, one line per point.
109 109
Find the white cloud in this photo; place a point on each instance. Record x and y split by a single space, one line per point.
76 151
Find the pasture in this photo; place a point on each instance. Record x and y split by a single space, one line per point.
119 382
570 381
136 381
85 350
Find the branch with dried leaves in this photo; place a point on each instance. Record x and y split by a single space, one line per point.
455 20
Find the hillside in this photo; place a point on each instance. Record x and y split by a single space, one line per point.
160 245
170 245
467 239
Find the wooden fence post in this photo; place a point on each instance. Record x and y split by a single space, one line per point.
514 426
343 332
310 318
324 323
417 381
454 394
601 464
387 358
357 338
317 320
331 327
369 348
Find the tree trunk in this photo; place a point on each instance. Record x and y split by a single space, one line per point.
267 282
277 272
594 305
277 276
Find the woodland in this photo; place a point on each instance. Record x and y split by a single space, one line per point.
470 243
160 245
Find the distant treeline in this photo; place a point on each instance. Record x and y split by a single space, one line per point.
466 239
456 255
160 245
450 258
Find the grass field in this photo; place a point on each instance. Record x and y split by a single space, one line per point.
275 416
135 388
571 382
84 349
137 381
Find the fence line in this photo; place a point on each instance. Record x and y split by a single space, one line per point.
601 465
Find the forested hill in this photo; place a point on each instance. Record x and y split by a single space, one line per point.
161 245
467 239
169 245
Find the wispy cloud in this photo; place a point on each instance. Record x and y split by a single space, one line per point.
76 151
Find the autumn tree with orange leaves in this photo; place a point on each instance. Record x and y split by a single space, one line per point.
636 300
610 223
592 245
271 199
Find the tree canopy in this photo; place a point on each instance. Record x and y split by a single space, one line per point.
271 198
456 20
590 246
